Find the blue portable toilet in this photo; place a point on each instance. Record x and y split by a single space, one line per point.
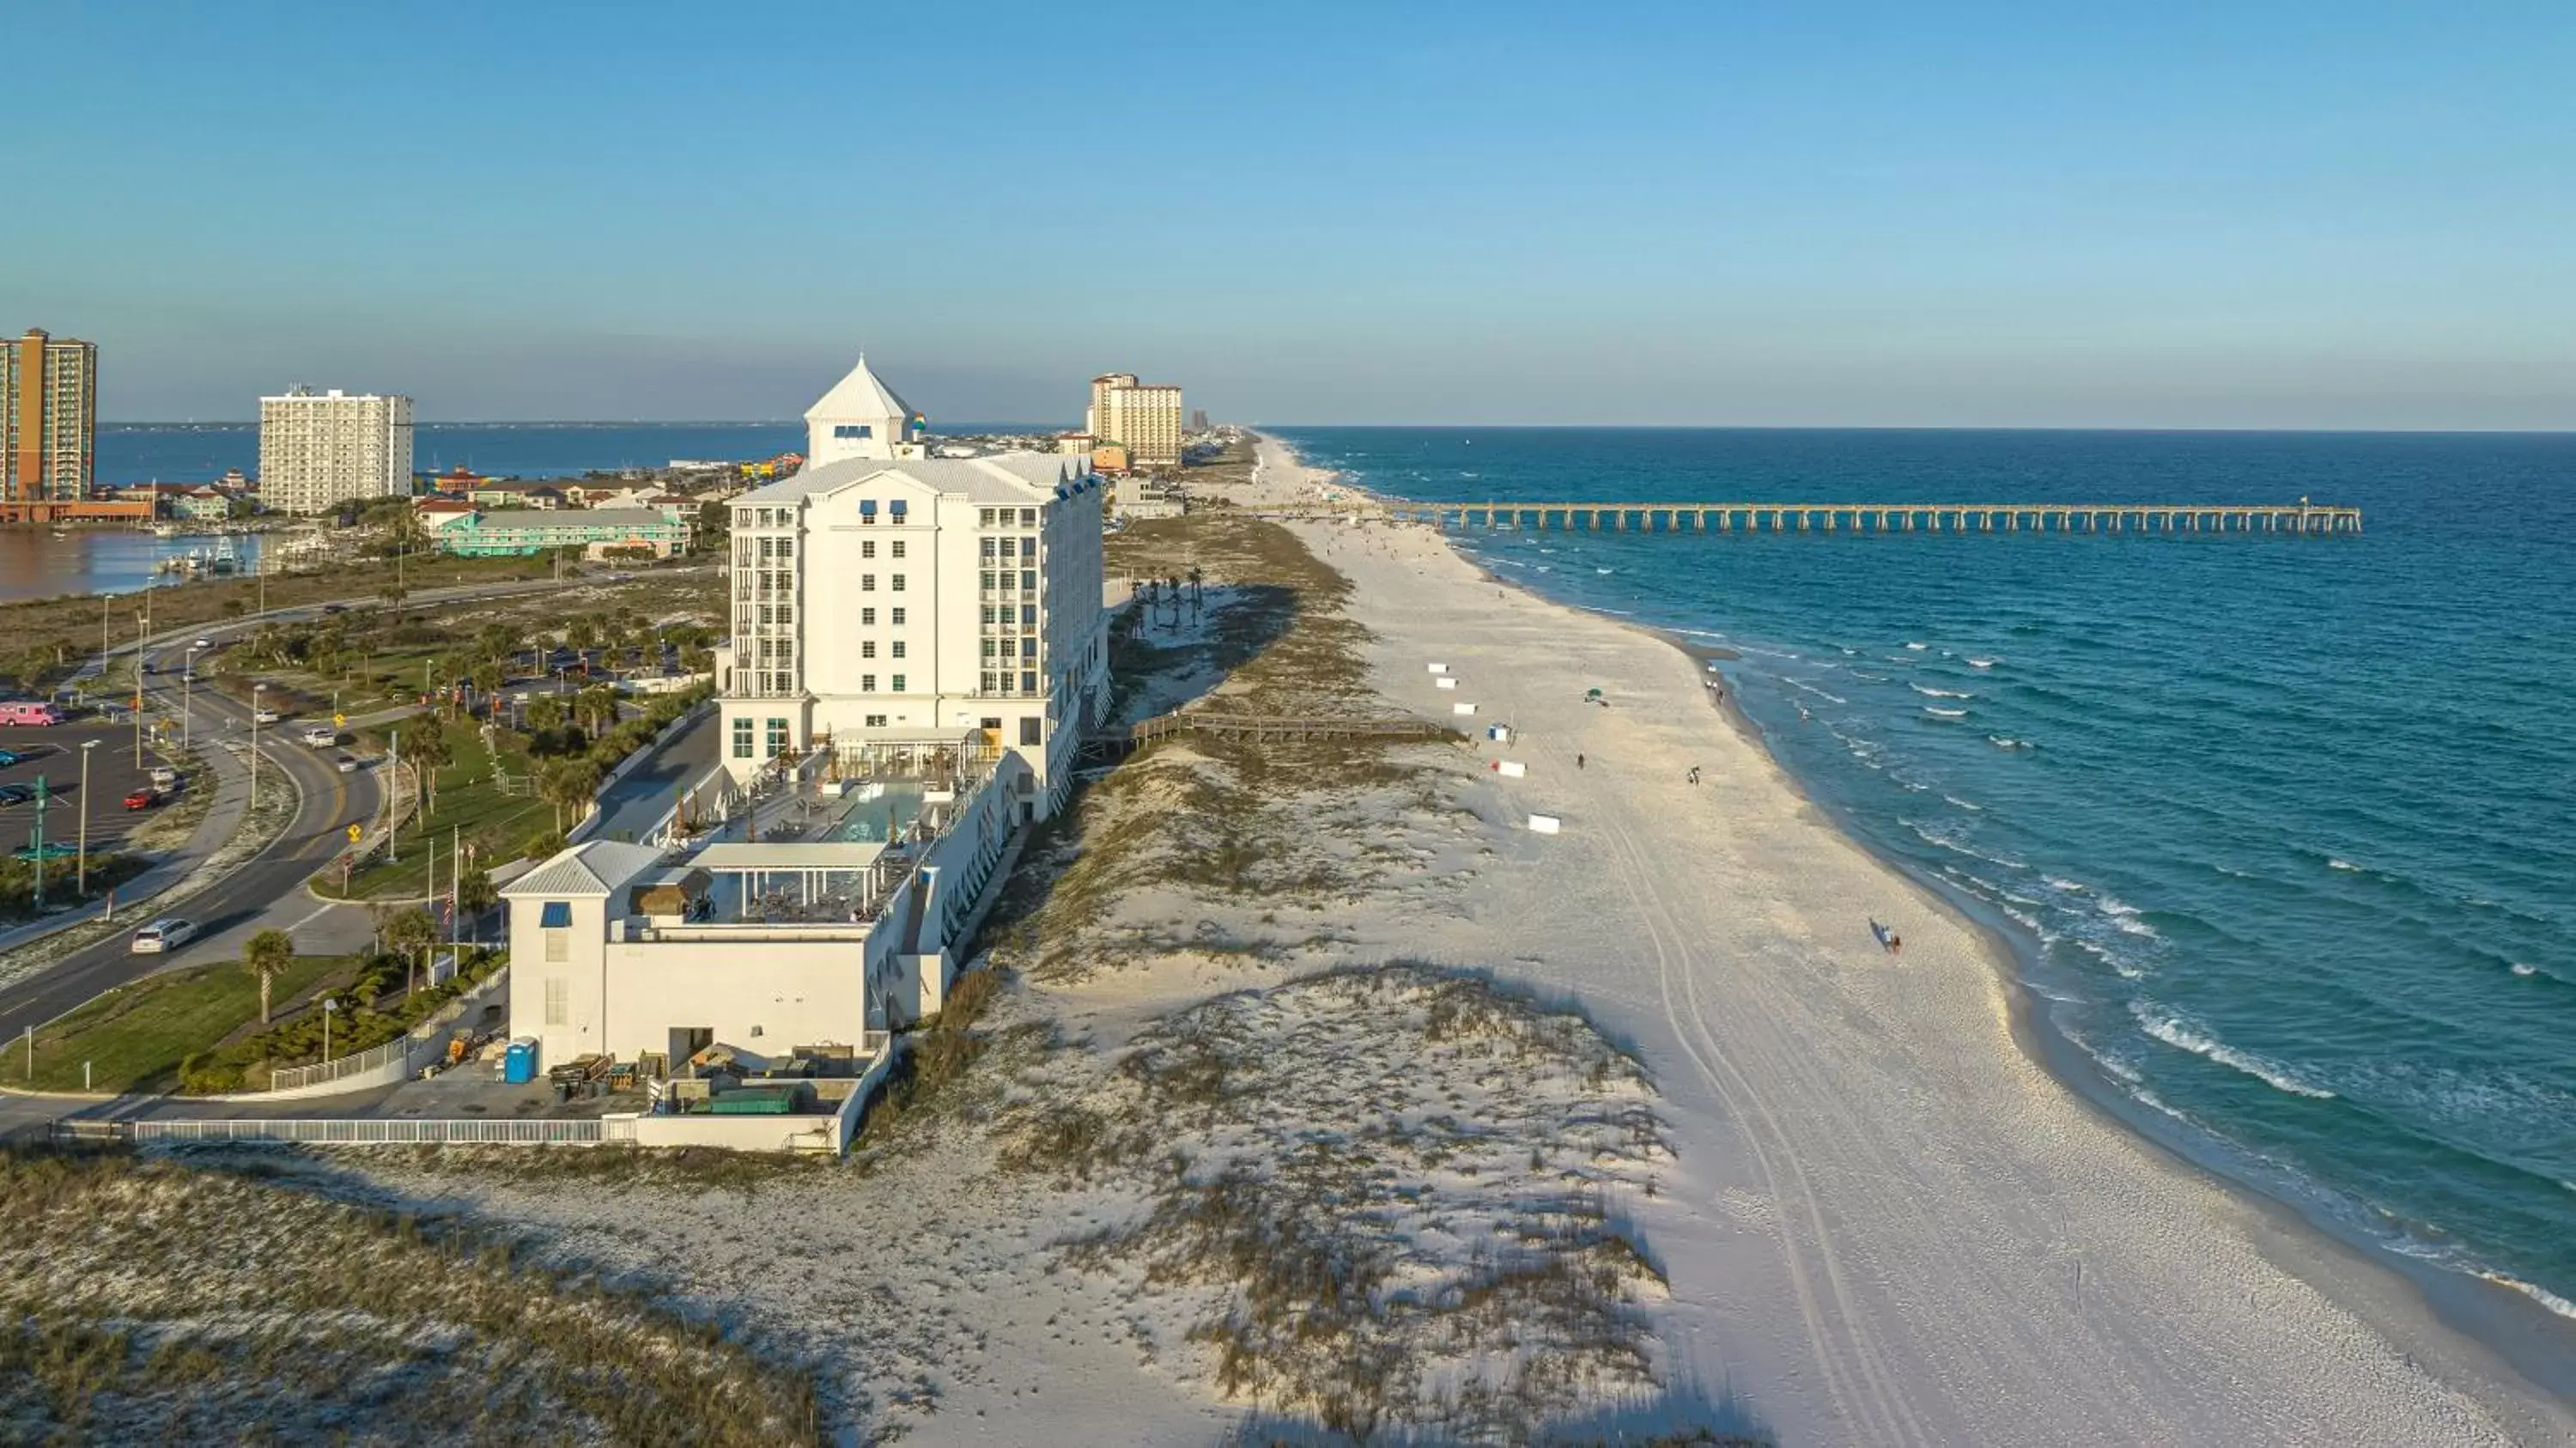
519 1062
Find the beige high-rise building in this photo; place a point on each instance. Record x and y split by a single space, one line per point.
1143 417
48 423
320 449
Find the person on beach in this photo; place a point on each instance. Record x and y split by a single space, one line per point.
1694 774
1895 943
1578 761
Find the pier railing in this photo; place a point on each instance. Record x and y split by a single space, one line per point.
2181 520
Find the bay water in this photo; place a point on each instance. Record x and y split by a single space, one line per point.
2284 828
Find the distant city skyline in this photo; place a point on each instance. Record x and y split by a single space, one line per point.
1860 215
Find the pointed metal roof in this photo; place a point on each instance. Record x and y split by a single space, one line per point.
859 397
596 868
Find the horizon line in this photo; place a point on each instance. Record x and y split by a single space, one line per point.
2259 430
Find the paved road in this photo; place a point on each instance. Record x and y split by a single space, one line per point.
267 889
331 802
634 804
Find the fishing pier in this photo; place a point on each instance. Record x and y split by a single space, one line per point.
2177 520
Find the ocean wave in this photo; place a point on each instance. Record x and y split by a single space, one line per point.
1939 833
1983 663
1812 689
1945 713
2335 864
1605 570
2542 1295
2124 969
2055 883
2174 1031
2001 741
1964 804
1873 678
1928 692
1918 648
2124 916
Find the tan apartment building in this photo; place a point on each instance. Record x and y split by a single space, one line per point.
48 424
1142 417
318 450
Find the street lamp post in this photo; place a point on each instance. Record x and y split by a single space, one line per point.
188 701
80 875
255 690
330 1007
142 631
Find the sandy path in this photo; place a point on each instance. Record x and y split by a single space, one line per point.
1888 1225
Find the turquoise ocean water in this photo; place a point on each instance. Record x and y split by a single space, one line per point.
2285 828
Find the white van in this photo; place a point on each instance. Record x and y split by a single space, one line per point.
321 736
165 934
164 778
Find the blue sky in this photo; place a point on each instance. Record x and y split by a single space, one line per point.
2250 215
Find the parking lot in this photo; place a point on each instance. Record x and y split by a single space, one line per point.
55 754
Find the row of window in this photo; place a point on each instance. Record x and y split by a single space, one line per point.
775 736
868 548
1026 578
1010 547
1000 683
868 649
868 583
1027 648
1000 613
1001 517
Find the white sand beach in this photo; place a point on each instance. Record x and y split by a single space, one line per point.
1887 1224
1251 1148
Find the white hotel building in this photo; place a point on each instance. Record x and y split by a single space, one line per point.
318 450
884 600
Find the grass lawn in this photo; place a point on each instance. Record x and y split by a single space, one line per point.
496 824
135 1036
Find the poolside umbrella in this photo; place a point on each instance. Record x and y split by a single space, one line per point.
1592 693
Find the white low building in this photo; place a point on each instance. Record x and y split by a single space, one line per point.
887 601
651 954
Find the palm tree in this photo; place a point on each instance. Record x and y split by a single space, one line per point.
430 752
598 706
267 955
475 894
545 714
568 784
412 931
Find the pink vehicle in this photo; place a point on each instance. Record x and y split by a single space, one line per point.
29 712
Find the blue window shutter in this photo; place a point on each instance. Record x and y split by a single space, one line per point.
556 916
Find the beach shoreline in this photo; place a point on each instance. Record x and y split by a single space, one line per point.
2462 1335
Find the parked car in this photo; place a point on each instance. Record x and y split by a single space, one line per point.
9 757
346 764
164 777
144 798
165 934
15 794
335 608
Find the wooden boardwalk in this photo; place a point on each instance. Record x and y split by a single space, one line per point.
1117 743
2174 520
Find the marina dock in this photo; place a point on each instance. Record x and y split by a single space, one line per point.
2180 520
